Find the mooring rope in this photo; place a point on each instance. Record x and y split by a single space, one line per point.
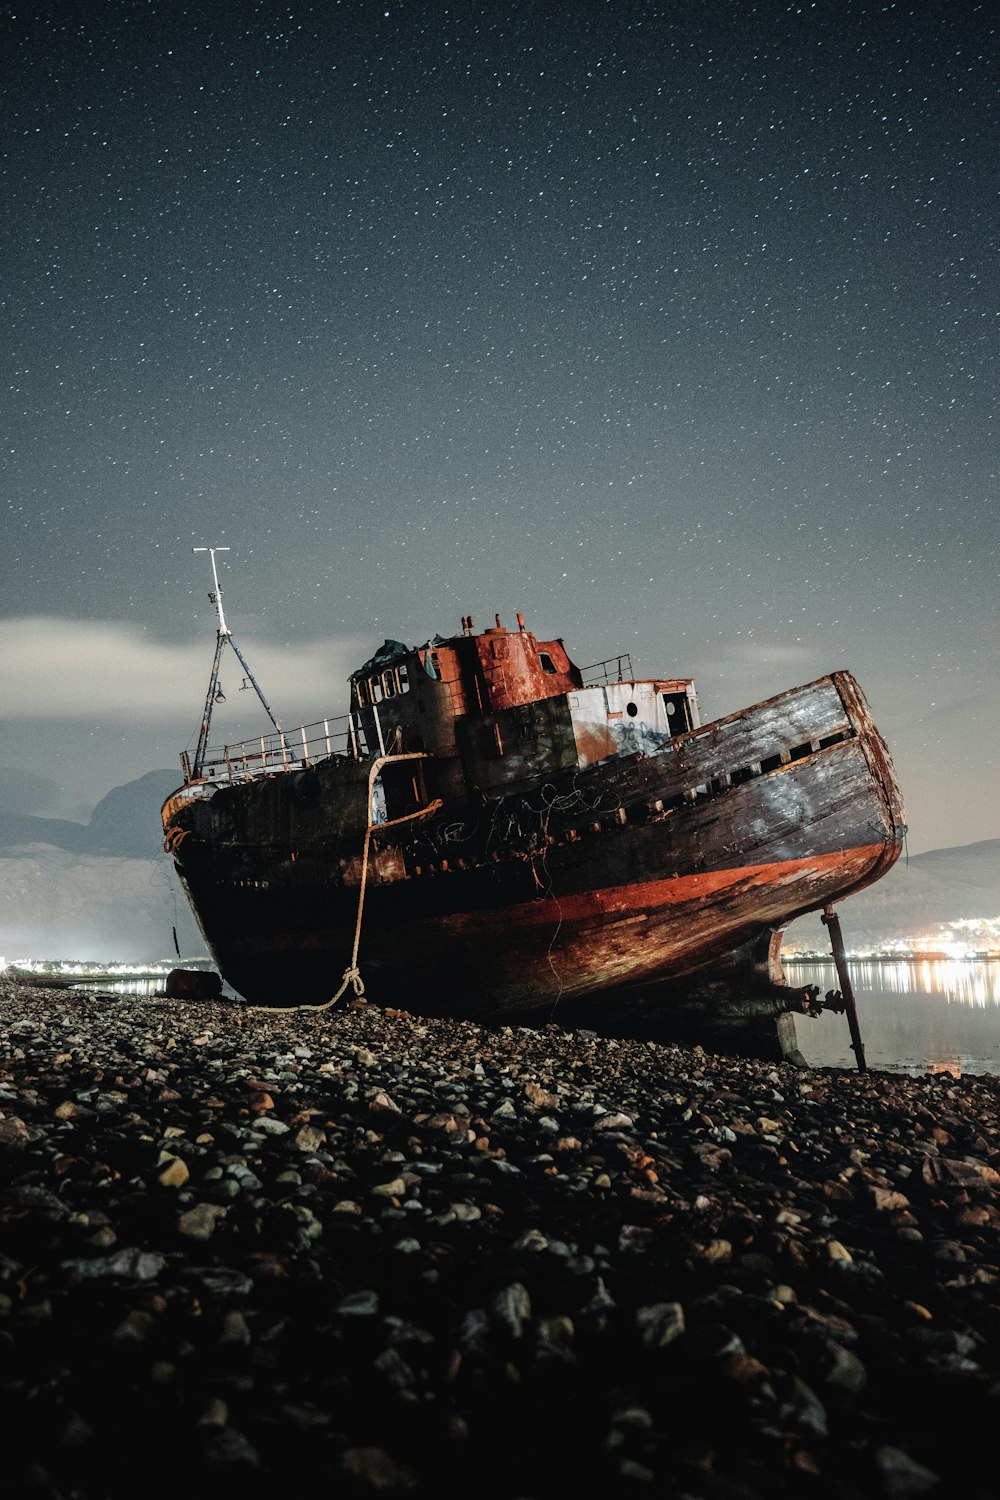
351 978
352 974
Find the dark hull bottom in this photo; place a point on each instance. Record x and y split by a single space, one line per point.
644 953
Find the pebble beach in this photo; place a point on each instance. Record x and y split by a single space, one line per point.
361 1252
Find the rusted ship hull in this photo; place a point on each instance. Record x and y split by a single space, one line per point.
610 881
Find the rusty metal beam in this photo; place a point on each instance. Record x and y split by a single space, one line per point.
831 921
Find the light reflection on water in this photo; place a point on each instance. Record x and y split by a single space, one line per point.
933 1016
126 986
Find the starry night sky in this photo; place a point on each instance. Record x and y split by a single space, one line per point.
673 326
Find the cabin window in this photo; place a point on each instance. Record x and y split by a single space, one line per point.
361 693
403 677
375 684
548 665
678 712
389 684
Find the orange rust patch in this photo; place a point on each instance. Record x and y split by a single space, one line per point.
653 895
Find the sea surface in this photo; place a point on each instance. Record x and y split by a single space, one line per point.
939 1015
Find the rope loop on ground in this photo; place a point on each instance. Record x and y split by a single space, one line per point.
352 977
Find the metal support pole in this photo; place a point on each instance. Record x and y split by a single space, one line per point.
832 922
253 681
206 718
223 635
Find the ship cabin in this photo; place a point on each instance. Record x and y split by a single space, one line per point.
505 708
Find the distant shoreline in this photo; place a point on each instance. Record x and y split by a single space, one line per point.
892 958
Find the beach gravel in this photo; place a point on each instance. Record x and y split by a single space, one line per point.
366 1253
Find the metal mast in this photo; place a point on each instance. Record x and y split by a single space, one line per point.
223 634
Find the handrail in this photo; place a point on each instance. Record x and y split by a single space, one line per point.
267 754
609 670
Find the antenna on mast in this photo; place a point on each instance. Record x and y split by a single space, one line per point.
215 598
214 694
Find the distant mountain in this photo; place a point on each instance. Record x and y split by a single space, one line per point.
101 890
25 828
916 897
125 822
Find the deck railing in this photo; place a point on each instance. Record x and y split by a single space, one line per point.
615 669
269 754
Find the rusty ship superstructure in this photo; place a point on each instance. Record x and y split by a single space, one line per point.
494 833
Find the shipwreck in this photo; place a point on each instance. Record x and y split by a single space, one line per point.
494 833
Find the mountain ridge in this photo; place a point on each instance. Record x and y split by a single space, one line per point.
916 898
125 822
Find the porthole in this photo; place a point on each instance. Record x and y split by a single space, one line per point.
631 709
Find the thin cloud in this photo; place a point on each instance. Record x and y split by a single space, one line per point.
54 668
773 651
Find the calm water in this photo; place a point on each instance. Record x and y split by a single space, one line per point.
942 1014
127 985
